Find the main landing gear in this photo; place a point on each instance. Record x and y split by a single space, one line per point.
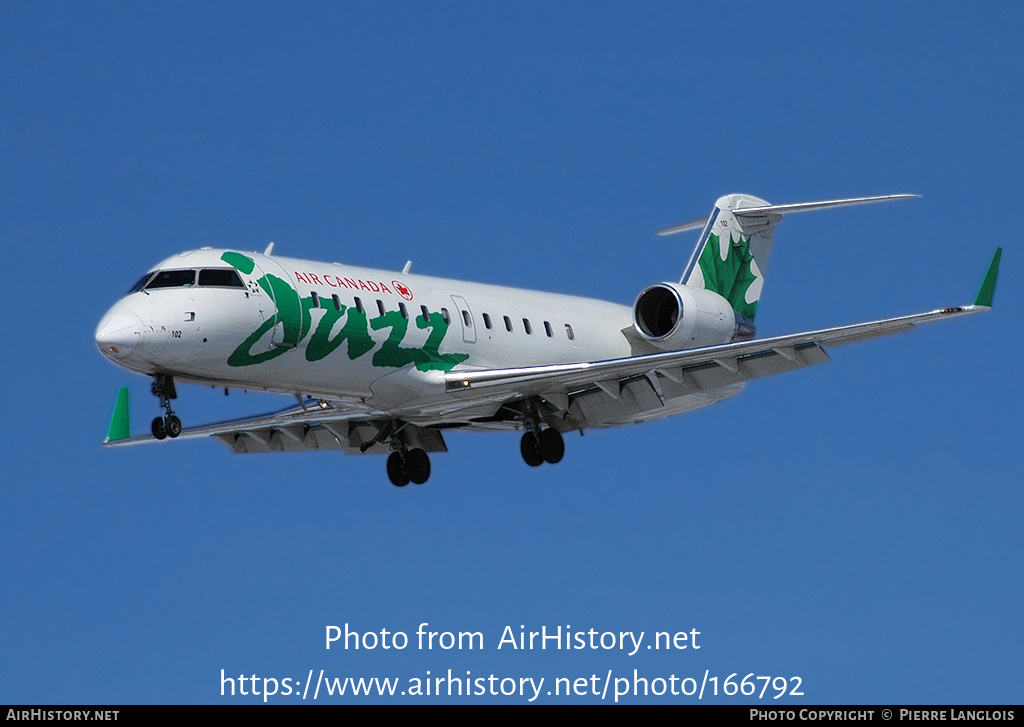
167 425
405 466
544 447
540 445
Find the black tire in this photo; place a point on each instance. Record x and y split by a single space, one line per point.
552 448
417 464
396 470
159 430
531 452
173 426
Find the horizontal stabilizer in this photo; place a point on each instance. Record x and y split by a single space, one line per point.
781 209
685 227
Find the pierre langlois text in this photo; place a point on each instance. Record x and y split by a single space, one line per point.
548 637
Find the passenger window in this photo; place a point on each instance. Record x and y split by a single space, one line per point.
380 307
547 329
172 279
527 326
508 324
220 279
466 319
337 301
569 333
425 312
405 313
487 322
447 318
359 305
316 299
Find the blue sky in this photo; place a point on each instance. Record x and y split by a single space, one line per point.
855 524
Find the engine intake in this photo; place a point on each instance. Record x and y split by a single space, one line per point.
674 316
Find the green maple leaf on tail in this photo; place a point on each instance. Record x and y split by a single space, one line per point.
732 277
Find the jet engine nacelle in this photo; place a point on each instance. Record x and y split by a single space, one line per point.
674 316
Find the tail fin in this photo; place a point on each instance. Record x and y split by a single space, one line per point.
732 252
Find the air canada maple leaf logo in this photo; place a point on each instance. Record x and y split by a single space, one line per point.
403 290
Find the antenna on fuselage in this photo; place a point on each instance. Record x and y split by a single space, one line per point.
270 249
407 268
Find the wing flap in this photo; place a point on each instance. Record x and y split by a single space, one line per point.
678 381
287 439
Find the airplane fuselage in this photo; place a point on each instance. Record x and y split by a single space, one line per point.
247 320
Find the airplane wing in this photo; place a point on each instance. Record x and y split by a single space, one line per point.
314 424
694 370
738 358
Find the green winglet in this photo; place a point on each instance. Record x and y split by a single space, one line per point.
988 288
119 422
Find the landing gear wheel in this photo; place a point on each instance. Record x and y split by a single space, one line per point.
417 464
551 446
163 389
396 470
530 449
172 425
159 430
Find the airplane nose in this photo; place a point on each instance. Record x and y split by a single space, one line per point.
118 335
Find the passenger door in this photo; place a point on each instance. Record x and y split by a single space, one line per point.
287 312
465 316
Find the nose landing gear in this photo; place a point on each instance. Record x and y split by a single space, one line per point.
167 425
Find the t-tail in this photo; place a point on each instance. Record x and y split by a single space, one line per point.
736 239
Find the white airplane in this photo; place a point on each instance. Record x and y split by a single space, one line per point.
384 363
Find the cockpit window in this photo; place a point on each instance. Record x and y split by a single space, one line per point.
172 279
226 278
141 283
